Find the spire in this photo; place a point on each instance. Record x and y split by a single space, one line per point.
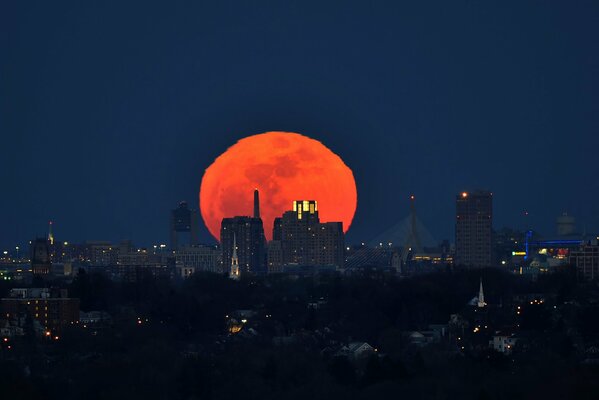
50 235
234 270
256 204
481 295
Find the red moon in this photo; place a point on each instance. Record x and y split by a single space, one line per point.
283 166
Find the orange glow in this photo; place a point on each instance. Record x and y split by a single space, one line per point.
284 167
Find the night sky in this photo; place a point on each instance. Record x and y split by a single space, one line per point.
109 113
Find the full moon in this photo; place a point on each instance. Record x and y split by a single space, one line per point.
283 166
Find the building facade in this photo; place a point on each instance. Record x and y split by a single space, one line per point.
307 241
40 257
473 230
248 233
184 222
51 308
199 257
274 257
244 236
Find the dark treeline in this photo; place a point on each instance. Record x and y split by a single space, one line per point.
169 340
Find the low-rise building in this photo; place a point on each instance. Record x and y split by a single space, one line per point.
196 258
52 308
503 342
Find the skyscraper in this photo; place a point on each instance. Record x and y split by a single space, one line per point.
183 221
473 231
307 241
246 234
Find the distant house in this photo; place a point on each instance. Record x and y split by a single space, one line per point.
419 338
426 337
356 350
503 342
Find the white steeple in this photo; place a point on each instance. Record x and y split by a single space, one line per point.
234 271
481 295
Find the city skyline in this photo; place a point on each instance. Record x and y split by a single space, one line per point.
551 222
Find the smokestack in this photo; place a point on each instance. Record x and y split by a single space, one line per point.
256 204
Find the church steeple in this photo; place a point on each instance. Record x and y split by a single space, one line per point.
234 270
481 295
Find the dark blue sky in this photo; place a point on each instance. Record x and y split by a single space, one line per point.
111 112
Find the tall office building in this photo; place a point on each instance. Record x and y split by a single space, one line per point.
274 251
40 257
247 233
473 229
184 221
274 257
307 241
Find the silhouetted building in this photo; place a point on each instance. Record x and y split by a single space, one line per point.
199 258
474 224
40 257
183 221
246 236
276 230
307 241
101 253
274 256
140 264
